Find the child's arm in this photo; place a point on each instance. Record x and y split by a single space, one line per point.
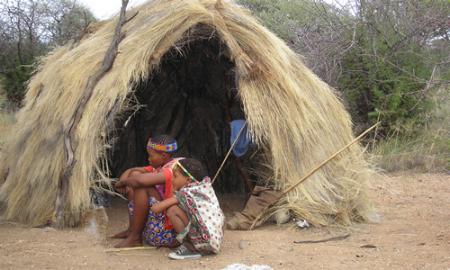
139 169
142 180
159 207
127 173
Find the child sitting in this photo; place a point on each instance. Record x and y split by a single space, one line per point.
194 212
145 186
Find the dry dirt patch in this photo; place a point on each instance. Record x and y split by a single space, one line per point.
413 234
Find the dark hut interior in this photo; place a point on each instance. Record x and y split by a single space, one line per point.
188 97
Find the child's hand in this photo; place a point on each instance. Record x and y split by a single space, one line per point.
155 208
120 185
163 205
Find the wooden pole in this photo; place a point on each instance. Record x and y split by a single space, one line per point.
229 152
310 173
69 130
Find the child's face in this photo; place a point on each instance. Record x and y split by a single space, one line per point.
155 158
179 180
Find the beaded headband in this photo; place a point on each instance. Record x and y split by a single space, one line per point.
184 170
168 148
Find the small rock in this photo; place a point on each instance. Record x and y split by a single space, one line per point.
49 229
243 244
239 266
303 223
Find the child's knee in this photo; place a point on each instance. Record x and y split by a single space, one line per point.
134 173
171 212
174 212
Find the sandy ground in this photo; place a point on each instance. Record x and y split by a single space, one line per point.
413 233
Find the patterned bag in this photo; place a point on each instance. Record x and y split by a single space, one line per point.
205 230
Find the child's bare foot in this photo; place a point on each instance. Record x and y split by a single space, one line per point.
123 234
130 241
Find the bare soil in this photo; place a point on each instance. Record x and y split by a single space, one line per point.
413 233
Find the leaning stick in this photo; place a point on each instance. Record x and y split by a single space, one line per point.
228 154
129 249
310 173
70 143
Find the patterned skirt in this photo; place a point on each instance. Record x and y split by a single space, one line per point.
154 233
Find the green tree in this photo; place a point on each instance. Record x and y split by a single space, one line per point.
29 29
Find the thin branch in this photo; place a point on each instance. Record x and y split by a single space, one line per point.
69 130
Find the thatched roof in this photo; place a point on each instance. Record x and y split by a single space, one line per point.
297 117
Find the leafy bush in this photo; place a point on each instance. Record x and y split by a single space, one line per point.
429 150
389 60
389 87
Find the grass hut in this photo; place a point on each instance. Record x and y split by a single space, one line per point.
176 65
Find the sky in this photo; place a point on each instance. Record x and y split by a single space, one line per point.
104 9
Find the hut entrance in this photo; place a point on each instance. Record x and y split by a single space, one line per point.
188 97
